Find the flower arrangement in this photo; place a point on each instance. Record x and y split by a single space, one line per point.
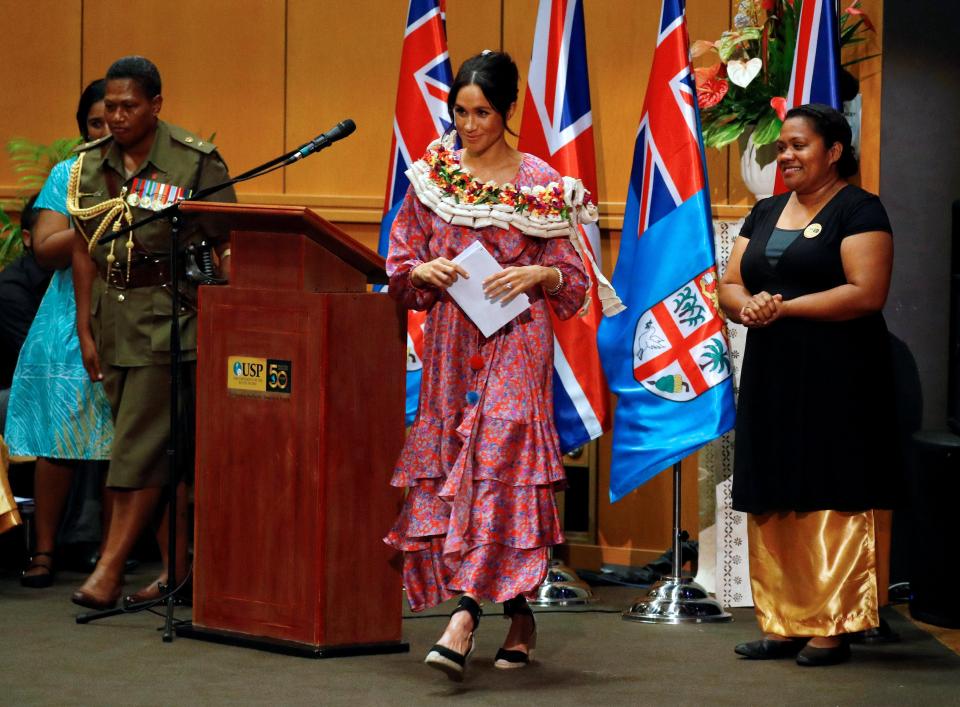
543 201
745 90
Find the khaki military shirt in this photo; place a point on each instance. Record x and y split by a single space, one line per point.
131 326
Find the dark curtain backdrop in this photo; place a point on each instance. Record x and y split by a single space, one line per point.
920 178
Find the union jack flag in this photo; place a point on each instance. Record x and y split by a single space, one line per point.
421 116
557 127
666 356
814 77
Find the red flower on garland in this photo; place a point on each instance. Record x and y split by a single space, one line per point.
779 104
711 88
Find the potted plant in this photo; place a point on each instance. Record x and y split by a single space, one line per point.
32 161
742 96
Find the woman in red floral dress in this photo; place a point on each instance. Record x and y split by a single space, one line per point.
482 459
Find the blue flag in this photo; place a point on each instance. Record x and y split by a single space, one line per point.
666 357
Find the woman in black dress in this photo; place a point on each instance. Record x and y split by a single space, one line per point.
815 434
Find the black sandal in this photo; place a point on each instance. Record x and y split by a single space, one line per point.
507 659
38 581
448 660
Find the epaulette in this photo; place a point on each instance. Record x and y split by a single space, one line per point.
93 143
190 140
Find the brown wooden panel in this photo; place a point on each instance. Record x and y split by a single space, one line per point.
353 73
258 482
474 26
39 73
361 505
519 25
343 60
292 492
870 86
222 64
284 261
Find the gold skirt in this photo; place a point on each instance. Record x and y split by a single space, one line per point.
815 574
9 516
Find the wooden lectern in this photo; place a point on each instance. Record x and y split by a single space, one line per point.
300 403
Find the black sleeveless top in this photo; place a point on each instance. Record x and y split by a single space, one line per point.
815 416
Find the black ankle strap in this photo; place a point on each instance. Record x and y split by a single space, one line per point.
471 607
517 605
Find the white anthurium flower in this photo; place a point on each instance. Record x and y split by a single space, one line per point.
743 72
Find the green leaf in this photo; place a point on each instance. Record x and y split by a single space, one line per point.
847 32
768 129
863 58
730 41
33 161
724 135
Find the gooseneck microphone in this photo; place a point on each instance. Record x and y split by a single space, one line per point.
337 132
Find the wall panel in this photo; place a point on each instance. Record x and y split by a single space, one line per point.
267 75
342 62
222 65
39 75
353 73
869 74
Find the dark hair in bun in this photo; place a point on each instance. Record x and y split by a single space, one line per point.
496 74
830 124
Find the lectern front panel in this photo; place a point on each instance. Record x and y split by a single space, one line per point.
301 419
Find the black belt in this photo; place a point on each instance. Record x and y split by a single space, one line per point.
144 272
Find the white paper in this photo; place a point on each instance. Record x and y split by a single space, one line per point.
488 314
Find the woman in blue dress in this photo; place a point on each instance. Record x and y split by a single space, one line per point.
55 413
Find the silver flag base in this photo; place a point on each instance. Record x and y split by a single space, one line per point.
562 587
676 600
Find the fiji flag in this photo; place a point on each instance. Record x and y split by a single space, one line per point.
421 117
815 77
557 127
666 356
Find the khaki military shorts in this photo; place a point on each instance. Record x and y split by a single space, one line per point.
140 400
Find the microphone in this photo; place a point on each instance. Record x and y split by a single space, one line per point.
337 132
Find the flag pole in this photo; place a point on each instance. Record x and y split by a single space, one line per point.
676 599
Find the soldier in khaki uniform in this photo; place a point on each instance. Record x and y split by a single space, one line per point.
124 301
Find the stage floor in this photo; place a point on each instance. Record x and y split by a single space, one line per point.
585 656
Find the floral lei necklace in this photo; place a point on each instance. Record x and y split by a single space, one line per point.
447 172
553 210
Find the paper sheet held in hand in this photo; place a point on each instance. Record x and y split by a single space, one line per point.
488 314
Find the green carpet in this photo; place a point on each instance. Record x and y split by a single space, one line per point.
584 658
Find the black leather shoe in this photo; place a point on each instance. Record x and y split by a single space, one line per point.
769 649
811 656
879 634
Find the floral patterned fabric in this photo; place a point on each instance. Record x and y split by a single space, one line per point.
482 459
55 411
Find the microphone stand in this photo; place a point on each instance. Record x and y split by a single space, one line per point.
172 213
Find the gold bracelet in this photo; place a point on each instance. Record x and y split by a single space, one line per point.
556 290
